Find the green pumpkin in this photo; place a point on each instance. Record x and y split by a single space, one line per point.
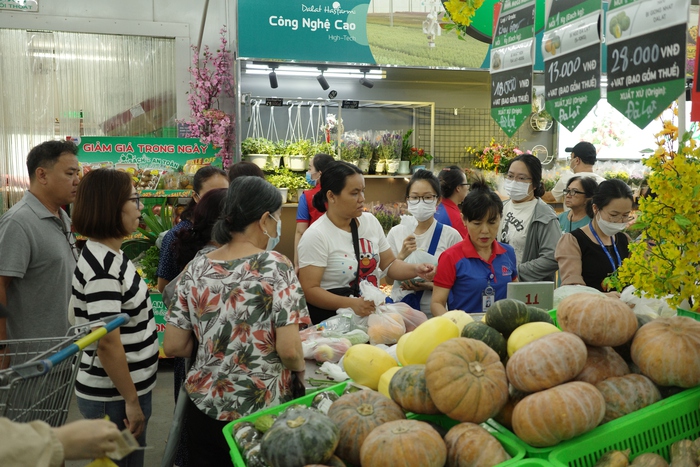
488 336
506 315
538 315
300 436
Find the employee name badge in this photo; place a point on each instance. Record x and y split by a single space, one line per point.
488 296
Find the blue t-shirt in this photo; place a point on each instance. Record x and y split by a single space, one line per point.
466 274
167 266
567 226
303 214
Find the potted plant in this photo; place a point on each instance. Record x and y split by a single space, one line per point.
350 151
418 158
665 263
297 153
257 150
404 165
287 182
392 141
296 188
325 148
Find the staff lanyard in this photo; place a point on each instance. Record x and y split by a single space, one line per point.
600 242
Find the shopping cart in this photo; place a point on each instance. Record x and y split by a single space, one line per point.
38 375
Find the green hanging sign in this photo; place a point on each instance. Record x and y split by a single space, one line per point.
572 64
646 56
511 65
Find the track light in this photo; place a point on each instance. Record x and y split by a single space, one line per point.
366 83
273 79
322 81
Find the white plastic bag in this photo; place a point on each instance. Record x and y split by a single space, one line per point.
371 293
358 322
325 349
385 328
412 318
560 293
333 371
645 304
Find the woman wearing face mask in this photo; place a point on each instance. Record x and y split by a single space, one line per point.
307 214
577 193
529 224
453 187
475 273
245 305
425 234
346 246
588 255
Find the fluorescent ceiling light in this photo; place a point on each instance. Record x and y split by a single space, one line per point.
291 70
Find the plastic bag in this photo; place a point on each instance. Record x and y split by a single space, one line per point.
560 293
646 305
412 318
356 322
385 328
371 293
333 371
326 349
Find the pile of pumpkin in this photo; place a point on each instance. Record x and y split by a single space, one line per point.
683 453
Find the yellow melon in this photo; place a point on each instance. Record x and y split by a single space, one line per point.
365 364
459 317
385 379
527 333
426 337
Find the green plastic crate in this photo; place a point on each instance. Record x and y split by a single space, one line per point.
689 314
553 314
532 462
652 429
530 451
513 447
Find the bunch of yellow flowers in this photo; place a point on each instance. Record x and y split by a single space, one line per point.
462 11
666 262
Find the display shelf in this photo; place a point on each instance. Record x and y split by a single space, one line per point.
290 205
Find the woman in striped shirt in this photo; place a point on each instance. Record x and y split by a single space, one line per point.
120 380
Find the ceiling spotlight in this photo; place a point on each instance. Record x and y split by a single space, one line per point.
364 81
322 81
273 79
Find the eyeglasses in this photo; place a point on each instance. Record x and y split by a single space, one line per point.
71 242
417 199
619 218
519 178
137 199
572 192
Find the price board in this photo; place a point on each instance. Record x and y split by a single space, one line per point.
537 294
511 65
646 56
572 65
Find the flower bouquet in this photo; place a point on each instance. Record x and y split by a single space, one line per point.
460 12
495 157
388 215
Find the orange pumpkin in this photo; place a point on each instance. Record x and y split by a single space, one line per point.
546 362
602 363
597 319
470 445
401 443
356 415
667 350
505 416
466 380
625 394
408 389
548 417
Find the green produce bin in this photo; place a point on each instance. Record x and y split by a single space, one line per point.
513 447
689 314
532 462
652 429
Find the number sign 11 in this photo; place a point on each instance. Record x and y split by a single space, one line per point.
537 294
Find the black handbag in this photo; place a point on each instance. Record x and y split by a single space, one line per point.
318 314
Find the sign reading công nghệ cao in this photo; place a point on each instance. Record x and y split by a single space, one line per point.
511 65
572 65
646 56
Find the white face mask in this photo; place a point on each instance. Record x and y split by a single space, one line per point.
422 211
517 190
610 228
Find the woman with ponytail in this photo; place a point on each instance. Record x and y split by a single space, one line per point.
244 304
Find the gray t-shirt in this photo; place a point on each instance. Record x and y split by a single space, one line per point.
35 251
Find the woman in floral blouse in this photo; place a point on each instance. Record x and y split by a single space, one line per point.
244 304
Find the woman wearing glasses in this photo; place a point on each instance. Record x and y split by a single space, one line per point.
529 224
345 246
120 380
576 195
475 273
425 234
588 255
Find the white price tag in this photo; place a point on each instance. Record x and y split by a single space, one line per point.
538 294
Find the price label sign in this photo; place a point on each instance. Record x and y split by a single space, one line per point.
511 65
538 294
646 42
571 51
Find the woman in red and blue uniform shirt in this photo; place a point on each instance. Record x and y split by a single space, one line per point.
306 212
475 273
453 187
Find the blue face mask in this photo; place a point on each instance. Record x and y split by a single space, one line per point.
273 241
311 181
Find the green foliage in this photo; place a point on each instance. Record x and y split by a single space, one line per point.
285 178
407 46
157 224
406 146
149 264
257 146
303 147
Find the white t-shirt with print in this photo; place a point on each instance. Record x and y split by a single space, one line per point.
396 236
326 246
515 224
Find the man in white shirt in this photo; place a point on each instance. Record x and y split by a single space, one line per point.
583 158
